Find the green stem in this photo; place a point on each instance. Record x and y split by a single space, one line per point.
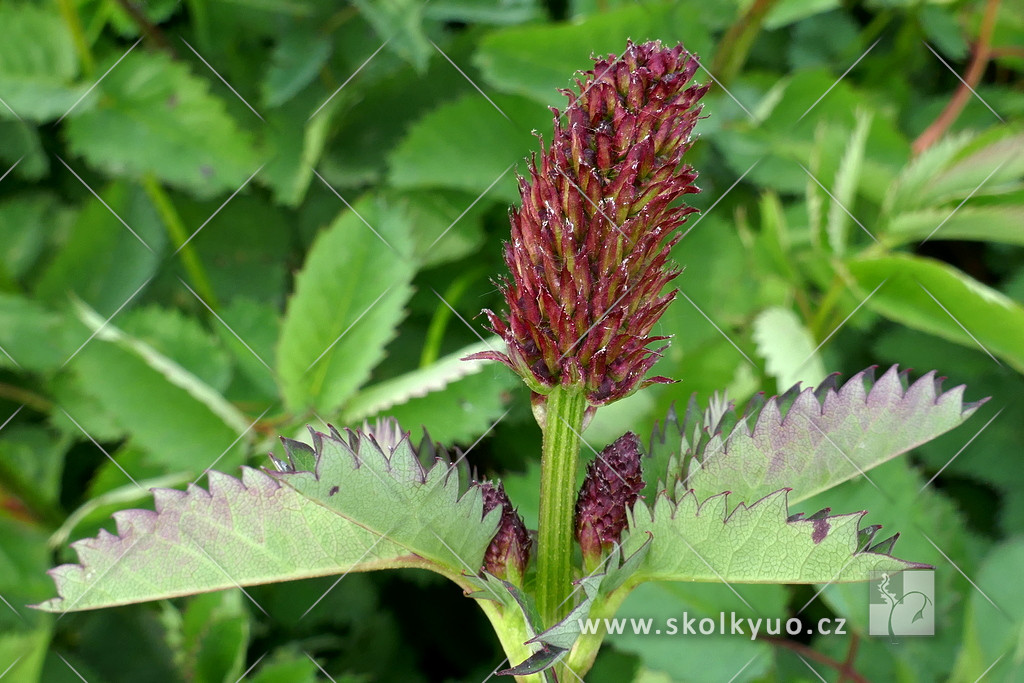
69 11
179 236
559 461
735 45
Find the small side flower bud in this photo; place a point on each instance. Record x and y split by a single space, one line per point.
612 485
509 552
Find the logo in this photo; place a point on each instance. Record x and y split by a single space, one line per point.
902 603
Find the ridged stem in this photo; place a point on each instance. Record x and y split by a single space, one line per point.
563 423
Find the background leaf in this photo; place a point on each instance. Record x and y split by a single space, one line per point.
348 299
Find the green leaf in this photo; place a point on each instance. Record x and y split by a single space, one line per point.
22 237
958 167
180 339
812 440
386 512
934 297
183 422
995 618
379 397
156 117
32 337
426 158
297 57
464 410
788 348
537 60
171 370
214 637
400 24
998 223
295 148
348 300
844 188
37 64
102 262
712 540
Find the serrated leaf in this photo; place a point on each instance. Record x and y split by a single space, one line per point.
295 60
426 158
348 299
167 367
787 347
979 223
537 60
360 510
156 117
37 64
180 339
400 24
396 498
844 188
712 540
377 398
811 441
180 420
932 296
958 167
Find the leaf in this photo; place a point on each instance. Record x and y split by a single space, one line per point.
846 181
934 297
377 398
37 64
102 262
426 158
995 617
21 239
980 223
812 440
297 57
537 60
295 148
169 368
33 337
348 299
359 510
214 634
958 167
788 348
400 24
464 409
180 339
156 117
181 421
712 540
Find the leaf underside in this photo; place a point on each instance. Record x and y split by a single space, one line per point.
807 441
364 512
757 543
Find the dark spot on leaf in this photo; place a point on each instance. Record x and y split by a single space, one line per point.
821 529
334 489
172 101
206 171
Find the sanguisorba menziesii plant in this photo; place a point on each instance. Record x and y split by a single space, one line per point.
589 273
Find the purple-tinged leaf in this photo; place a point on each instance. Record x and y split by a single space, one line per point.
811 440
369 505
716 541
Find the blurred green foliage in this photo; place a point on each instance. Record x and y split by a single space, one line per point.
223 220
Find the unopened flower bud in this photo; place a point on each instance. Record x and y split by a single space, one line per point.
612 485
509 552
